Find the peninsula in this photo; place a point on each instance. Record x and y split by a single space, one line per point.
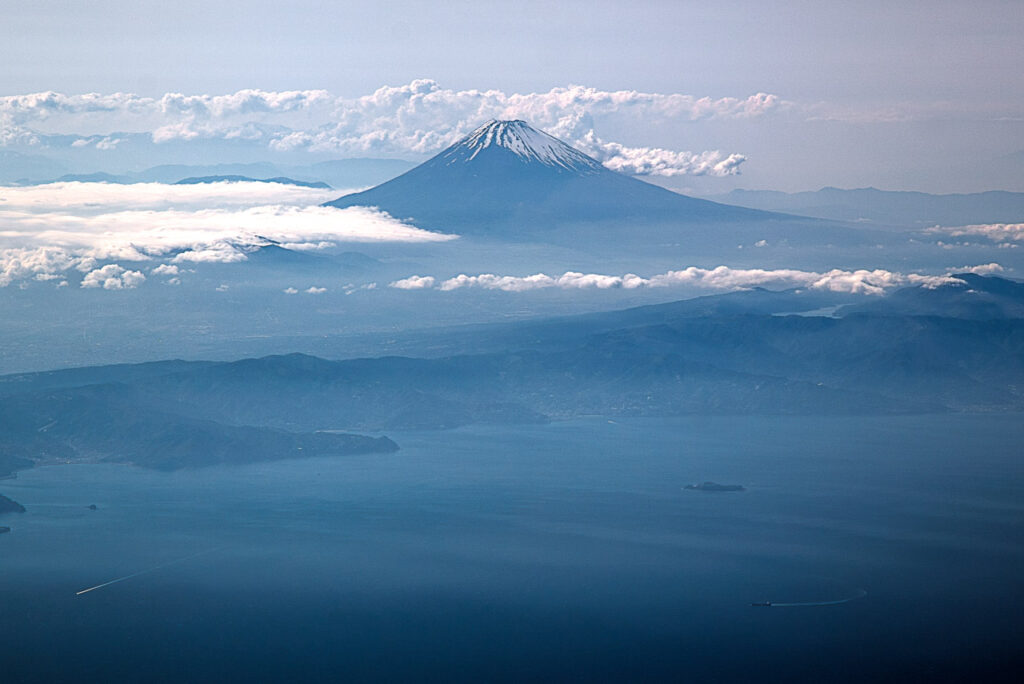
8 506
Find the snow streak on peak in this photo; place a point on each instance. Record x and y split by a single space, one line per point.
524 141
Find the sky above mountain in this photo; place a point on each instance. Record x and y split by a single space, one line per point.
697 96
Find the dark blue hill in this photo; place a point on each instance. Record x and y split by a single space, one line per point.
976 296
731 354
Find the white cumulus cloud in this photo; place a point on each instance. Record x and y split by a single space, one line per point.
414 282
980 269
996 232
654 161
417 118
871 282
113 277
20 263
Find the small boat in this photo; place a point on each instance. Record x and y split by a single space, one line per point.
715 487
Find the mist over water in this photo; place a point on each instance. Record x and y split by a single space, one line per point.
567 551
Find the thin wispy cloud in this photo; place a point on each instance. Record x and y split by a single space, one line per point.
312 290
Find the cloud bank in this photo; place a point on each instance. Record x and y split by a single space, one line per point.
47 231
996 232
867 282
104 197
980 269
417 118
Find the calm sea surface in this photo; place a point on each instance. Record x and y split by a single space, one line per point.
561 552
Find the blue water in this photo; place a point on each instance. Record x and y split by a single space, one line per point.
561 552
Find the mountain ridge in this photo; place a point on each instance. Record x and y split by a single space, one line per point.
234 178
701 359
886 207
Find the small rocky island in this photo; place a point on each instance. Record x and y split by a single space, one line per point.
8 506
715 487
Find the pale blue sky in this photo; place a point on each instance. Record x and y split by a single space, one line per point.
840 51
918 95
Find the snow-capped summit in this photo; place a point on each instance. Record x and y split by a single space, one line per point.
524 141
509 180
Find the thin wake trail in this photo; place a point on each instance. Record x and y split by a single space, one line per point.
861 593
146 571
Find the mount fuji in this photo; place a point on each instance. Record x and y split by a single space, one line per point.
507 178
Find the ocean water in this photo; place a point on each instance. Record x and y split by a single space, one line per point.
562 552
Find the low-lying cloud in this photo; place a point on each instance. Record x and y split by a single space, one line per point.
980 269
113 277
414 282
91 198
996 232
869 282
48 230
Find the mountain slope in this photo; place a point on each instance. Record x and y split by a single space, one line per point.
974 296
181 414
508 175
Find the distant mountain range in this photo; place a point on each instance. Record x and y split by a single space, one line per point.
982 298
18 166
341 173
283 180
508 178
909 209
718 357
